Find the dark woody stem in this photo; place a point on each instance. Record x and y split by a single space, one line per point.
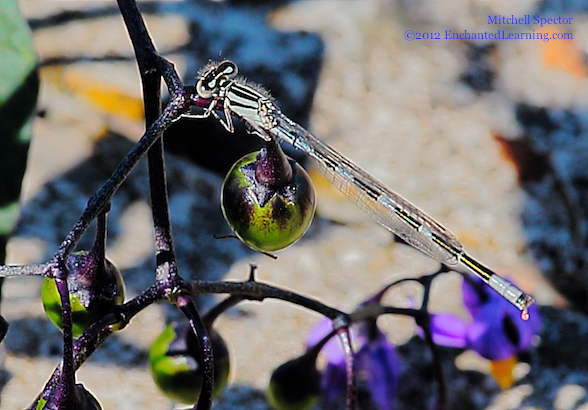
253 290
96 334
345 338
64 398
187 306
152 67
100 201
220 308
99 247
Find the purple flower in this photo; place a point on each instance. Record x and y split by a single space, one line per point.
378 365
376 360
334 377
449 330
496 331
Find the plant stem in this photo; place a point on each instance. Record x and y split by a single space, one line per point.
253 290
345 338
186 305
96 334
100 201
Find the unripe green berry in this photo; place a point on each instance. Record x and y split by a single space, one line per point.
84 400
267 216
175 361
295 385
94 288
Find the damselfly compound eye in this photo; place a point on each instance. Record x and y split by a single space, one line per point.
227 69
210 82
203 89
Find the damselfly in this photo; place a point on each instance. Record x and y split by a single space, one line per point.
256 108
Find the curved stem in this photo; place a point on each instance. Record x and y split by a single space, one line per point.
187 306
219 309
64 396
438 369
167 268
345 338
99 247
142 43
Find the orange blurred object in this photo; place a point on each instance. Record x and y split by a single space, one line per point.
502 370
564 55
108 98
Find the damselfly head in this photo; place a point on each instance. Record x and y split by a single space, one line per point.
212 79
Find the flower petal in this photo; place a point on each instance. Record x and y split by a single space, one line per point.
497 331
379 365
487 337
475 294
448 330
502 370
332 349
334 381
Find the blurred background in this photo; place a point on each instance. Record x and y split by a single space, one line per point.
488 137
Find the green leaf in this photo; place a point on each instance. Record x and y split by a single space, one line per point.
19 87
16 48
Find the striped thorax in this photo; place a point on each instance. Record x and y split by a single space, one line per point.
255 108
247 102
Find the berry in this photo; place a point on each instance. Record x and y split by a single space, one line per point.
84 400
268 200
94 288
175 361
295 385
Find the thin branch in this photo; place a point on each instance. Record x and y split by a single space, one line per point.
438 369
187 306
253 290
100 201
24 270
424 321
345 338
100 241
64 396
219 309
142 43
96 334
